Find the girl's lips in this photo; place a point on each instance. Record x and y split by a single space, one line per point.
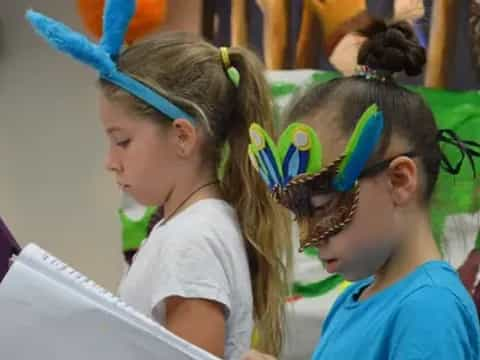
123 186
330 265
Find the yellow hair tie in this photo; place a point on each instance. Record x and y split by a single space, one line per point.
232 72
225 57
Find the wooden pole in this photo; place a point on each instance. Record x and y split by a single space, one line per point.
275 32
442 35
239 27
308 39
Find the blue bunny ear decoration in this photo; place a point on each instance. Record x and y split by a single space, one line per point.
116 17
102 57
68 41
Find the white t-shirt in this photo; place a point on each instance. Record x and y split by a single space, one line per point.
199 253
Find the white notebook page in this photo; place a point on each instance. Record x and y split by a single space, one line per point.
52 311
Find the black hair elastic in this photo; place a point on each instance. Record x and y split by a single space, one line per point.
468 149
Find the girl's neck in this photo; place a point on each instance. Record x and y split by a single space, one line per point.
186 193
415 248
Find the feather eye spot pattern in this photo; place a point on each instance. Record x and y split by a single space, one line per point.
301 140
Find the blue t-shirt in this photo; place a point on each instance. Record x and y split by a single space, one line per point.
426 315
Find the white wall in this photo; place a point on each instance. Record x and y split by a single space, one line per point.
53 189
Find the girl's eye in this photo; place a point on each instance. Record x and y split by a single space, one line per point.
321 185
320 201
123 143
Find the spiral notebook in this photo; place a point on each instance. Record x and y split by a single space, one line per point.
50 311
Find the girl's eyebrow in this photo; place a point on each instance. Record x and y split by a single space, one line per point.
113 129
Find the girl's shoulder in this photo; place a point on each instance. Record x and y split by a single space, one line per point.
437 292
210 223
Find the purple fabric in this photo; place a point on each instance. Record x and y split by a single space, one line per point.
381 9
8 247
468 273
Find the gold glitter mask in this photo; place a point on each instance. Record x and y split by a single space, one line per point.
323 199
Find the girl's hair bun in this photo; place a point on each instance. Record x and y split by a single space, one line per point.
393 48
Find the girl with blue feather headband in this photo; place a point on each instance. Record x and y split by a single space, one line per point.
357 165
176 110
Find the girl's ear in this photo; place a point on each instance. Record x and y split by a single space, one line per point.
184 137
403 180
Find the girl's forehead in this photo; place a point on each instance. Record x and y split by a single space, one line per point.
116 115
331 137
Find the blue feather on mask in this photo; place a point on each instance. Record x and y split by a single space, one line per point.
369 136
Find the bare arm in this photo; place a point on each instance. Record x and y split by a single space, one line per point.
200 322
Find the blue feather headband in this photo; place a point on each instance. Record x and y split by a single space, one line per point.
299 152
102 57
